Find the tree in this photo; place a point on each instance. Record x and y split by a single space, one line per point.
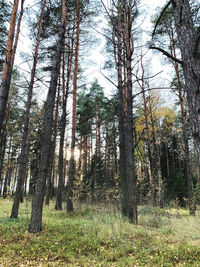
166 27
188 38
152 154
22 157
71 179
7 69
37 204
65 93
123 46
4 14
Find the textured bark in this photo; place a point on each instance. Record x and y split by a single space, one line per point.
23 157
2 155
7 69
62 139
37 204
130 168
115 150
85 159
80 155
52 156
187 37
107 153
125 84
122 163
156 160
5 189
70 184
192 206
17 33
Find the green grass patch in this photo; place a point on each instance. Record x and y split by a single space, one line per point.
99 236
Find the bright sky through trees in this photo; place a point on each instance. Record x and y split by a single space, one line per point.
94 62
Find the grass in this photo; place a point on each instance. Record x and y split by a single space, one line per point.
99 236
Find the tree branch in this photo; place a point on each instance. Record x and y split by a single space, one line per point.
108 79
166 54
159 18
156 88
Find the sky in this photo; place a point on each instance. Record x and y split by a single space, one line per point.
96 58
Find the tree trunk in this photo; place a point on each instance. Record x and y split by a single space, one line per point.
62 138
189 46
52 156
7 69
130 168
37 204
17 33
154 173
115 150
192 206
85 159
2 156
155 162
23 157
122 163
70 184
7 169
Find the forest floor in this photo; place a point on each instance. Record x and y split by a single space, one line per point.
100 236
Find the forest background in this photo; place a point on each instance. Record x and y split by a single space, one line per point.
79 127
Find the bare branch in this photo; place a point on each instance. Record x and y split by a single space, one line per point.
108 79
160 17
156 88
166 54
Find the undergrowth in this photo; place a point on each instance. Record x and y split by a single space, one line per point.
99 236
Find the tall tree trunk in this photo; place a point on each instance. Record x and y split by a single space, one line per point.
58 205
115 149
52 156
122 163
2 155
3 134
7 169
17 33
154 172
23 157
15 176
192 206
130 168
7 69
189 46
70 184
155 162
80 155
37 204
85 159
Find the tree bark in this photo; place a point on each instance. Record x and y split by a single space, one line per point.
85 159
70 184
192 206
5 189
52 156
17 33
121 113
7 69
188 38
129 144
62 138
37 204
23 157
